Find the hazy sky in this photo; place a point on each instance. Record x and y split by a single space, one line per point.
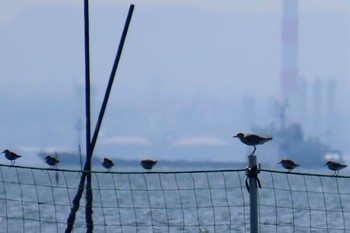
175 52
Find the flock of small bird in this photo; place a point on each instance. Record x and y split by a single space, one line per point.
148 164
254 140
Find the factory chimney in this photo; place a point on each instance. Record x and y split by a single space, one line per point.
289 69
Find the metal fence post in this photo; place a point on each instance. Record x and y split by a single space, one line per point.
254 183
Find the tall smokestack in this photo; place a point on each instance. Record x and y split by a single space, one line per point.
289 69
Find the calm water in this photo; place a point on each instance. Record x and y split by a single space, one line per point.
32 201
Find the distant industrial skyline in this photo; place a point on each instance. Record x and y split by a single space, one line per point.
183 76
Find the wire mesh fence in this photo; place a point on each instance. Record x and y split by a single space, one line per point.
39 200
303 202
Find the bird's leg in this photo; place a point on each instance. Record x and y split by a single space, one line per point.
253 153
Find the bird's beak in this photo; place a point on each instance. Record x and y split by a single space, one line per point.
235 136
325 164
279 163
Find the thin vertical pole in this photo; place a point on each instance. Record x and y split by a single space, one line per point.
87 77
253 195
87 168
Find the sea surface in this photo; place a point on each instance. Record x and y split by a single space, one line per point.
40 200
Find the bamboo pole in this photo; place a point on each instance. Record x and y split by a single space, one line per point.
90 145
112 75
87 167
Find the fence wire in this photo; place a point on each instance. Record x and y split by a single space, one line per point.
209 201
39 200
302 202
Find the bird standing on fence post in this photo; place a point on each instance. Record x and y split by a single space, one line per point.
51 161
148 164
288 164
252 140
107 163
334 166
11 156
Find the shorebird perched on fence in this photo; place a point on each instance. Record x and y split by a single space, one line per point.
11 156
107 163
288 164
148 164
51 161
334 166
252 140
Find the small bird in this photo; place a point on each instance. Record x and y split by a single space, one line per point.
148 164
334 166
51 161
107 163
11 156
288 164
252 140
